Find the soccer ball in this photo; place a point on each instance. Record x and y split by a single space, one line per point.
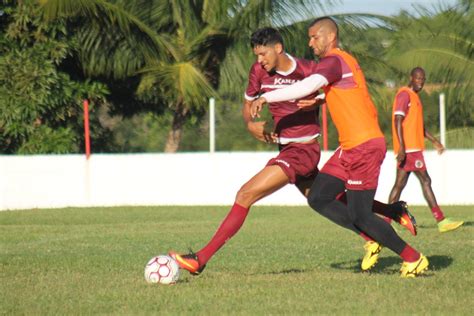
162 269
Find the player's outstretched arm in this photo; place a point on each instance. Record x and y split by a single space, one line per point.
311 104
298 90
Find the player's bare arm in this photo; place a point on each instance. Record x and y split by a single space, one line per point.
256 107
436 143
401 155
311 104
257 128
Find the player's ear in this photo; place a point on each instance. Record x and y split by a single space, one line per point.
279 48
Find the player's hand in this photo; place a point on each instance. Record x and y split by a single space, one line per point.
439 147
257 129
401 156
307 104
256 107
311 104
274 138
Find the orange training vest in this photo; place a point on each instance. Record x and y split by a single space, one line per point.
413 126
352 109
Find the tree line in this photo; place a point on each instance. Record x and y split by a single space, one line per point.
148 68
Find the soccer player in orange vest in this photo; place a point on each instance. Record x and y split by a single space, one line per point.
296 131
409 134
355 166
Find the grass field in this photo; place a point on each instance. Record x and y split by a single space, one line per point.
285 260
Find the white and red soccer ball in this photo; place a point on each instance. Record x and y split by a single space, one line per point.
162 269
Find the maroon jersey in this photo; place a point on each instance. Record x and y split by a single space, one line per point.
290 121
402 103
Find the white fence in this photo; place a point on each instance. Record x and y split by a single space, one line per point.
50 181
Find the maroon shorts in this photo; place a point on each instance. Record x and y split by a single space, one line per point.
413 162
298 160
358 167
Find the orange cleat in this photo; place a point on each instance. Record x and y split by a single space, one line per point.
188 262
405 218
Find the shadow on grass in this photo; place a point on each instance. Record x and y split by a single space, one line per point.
354 265
287 271
389 265
438 263
426 226
467 224
385 265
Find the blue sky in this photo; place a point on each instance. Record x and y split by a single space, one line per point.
385 7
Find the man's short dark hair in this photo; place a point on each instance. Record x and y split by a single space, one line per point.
265 36
325 18
415 70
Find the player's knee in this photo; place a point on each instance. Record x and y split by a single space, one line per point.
245 196
317 201
426 180
362 222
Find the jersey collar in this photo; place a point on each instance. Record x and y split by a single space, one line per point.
293 66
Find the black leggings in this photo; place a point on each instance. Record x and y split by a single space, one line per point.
322 198
357 215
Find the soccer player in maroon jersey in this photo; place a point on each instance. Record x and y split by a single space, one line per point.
409 133
355 166
295 131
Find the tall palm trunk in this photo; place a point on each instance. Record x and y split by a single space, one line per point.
176 132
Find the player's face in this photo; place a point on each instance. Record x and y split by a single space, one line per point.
267 56
319 40
418 81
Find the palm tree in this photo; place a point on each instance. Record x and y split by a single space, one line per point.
180 49
440 41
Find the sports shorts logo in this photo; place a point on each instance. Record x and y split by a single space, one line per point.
419 164
283 162
354 182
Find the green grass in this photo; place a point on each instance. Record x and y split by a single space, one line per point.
458 138
285 260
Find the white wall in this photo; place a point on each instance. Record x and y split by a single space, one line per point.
191 179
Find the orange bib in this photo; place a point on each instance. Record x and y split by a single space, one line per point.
413 126
352 109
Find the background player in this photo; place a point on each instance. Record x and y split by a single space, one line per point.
409 135
295 130
355 166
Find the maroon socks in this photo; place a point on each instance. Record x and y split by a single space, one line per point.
229 226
